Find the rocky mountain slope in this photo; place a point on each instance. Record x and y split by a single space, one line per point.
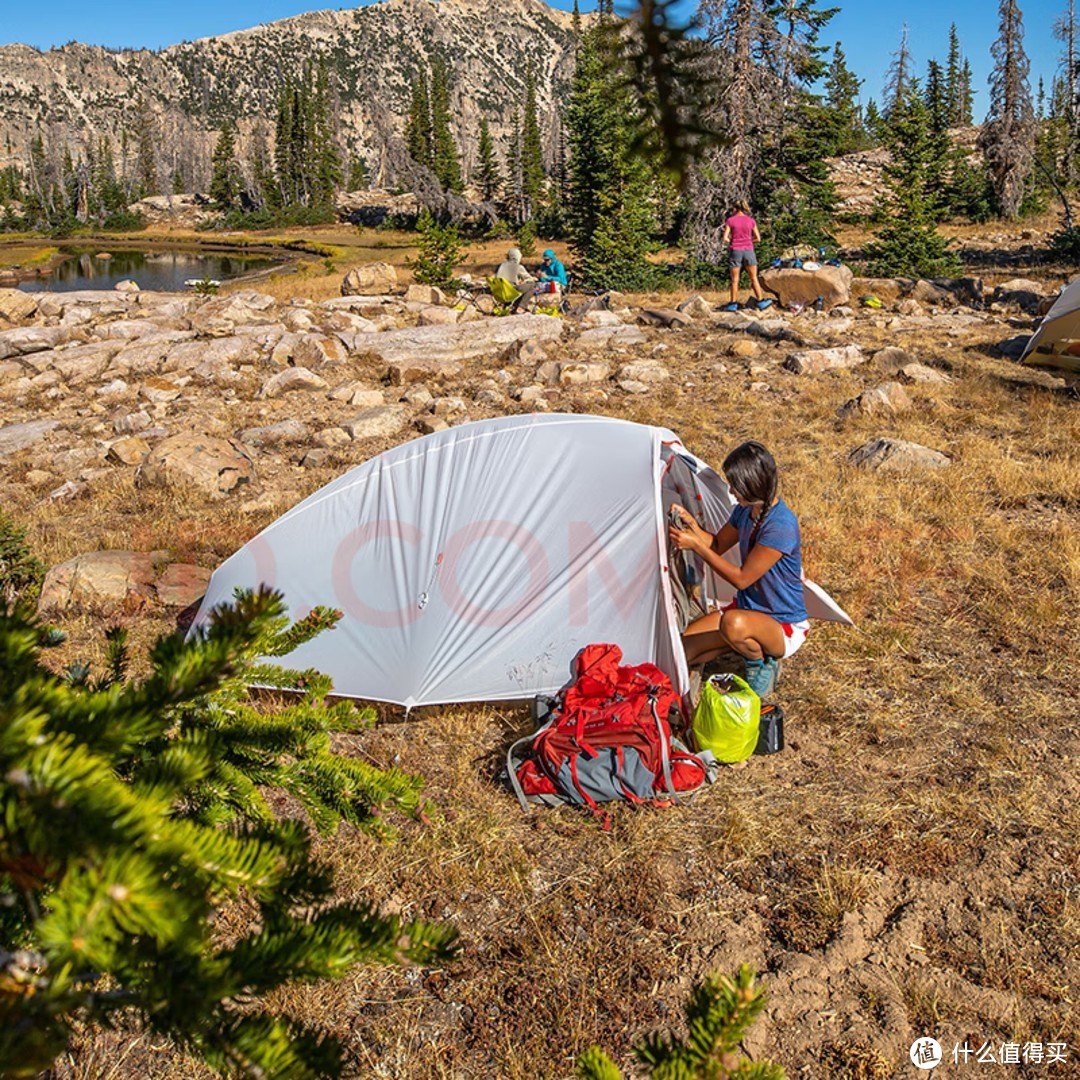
74 95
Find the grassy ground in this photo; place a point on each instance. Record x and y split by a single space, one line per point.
909 866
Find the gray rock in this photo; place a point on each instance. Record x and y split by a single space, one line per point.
603 337
921 373
644 371
669 317
378 423
451 344
16 437
889 398
895 455
287 431
216 353
582 372
31 339
697 307
816 361
222 314
891 358
294 378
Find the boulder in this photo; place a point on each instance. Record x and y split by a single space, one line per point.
373 279
378 423
791 286
318 350
697 307
895 455
964 290
815 361
438 316
462 342
644 371
212 465
294 378
929 292
31 339
331 438
891 358
83 363
98 581
127 286
17 437
577 374
219 352
160 391
17 306
888 399
427 295
601 317
1021 294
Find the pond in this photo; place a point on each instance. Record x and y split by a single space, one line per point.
160 271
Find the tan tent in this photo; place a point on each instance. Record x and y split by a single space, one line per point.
1056 343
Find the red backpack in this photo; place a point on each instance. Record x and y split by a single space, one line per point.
608 738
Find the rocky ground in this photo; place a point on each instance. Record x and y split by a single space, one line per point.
908 867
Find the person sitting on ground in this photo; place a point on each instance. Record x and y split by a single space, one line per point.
512 271
551 271
767 620
741 232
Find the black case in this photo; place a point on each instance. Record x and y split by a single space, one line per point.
771 731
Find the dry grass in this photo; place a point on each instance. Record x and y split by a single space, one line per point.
908 866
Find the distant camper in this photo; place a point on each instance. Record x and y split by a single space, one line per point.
512 271
741 233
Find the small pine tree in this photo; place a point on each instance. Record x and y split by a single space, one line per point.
134 814
842 118
20 572
440 251
718 1015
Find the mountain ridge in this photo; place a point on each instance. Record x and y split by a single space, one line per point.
75 94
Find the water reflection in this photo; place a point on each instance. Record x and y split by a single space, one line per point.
161 271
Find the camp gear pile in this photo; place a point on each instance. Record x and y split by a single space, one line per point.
608 738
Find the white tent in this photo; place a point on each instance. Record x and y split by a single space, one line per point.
1056 342
473 564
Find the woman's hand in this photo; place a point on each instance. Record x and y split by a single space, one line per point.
691 536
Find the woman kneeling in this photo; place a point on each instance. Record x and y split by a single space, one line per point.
767 620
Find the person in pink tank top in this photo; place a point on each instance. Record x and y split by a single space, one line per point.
741 233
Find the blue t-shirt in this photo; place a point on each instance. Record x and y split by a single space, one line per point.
779 591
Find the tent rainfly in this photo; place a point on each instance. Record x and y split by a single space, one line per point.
1056 342
473 564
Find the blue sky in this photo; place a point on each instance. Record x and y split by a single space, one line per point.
869 32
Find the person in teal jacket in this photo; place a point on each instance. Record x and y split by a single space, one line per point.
552 270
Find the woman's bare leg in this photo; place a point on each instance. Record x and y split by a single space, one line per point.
754 283
735 284
751 634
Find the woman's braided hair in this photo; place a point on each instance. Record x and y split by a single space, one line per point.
751 472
